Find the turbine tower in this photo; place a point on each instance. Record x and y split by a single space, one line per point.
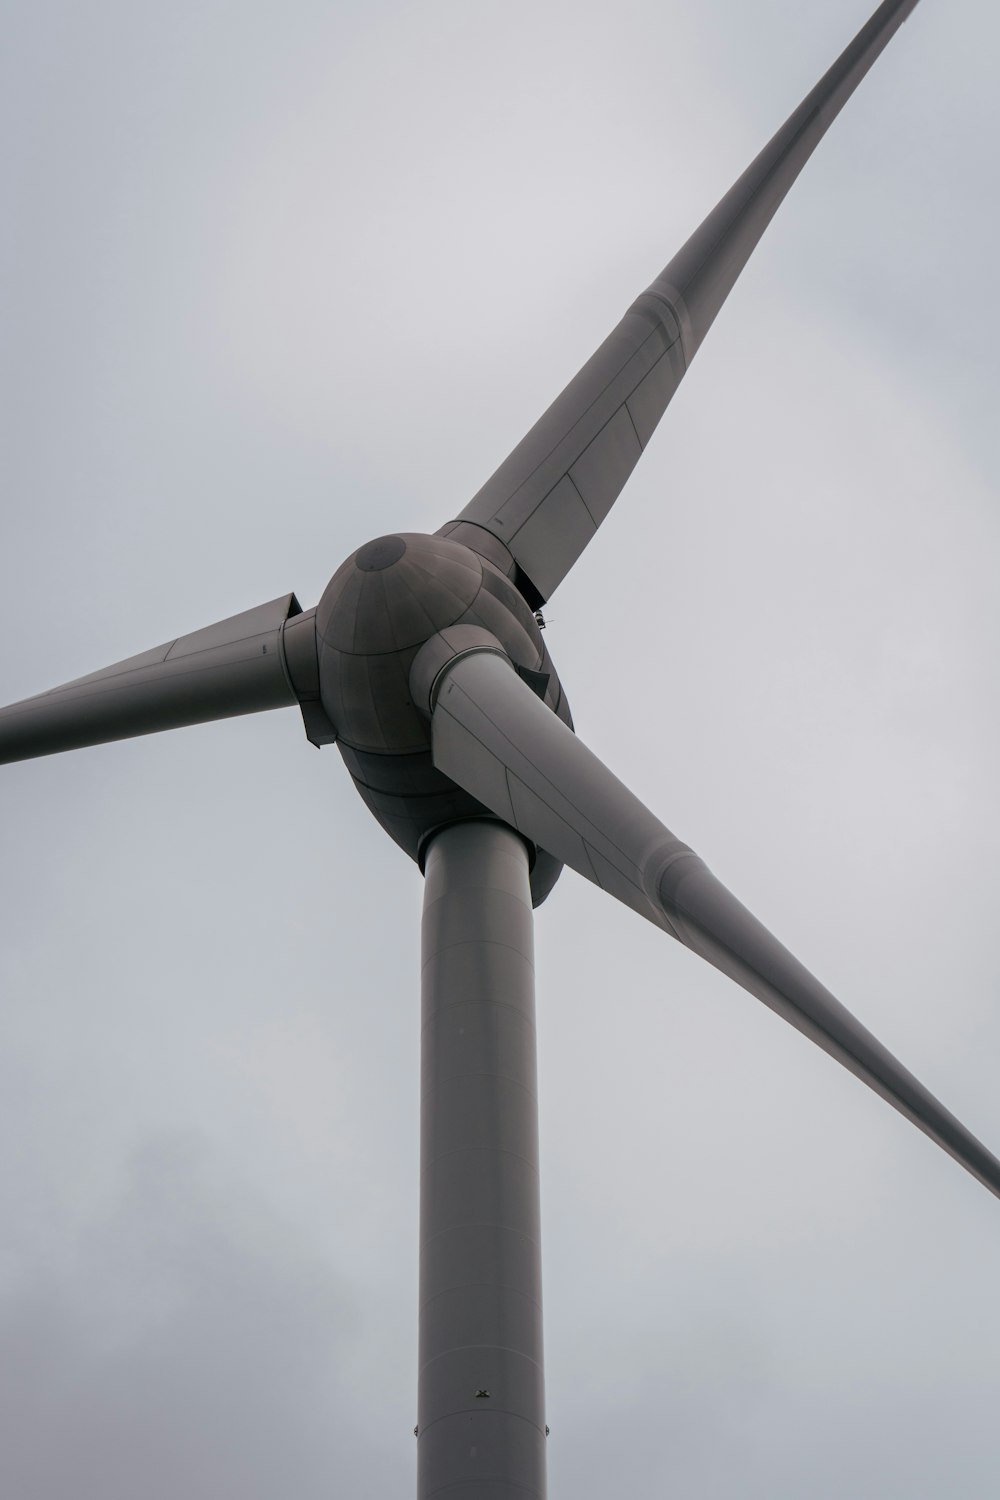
425 664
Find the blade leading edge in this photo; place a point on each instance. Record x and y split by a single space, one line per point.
550 494
495 738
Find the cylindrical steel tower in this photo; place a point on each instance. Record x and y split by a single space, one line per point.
481 1427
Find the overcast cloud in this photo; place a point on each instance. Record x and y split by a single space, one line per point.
276 279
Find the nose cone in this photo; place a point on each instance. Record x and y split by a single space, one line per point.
377 611
395 592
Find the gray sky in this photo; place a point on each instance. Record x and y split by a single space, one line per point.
280 278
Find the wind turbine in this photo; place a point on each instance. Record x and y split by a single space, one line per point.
383 558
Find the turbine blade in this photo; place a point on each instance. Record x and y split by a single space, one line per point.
238 666
549 496
493 736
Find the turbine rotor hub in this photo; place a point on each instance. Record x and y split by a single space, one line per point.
379 608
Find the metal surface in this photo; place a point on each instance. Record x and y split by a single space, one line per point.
234 667
548 497
481 1400
425 663
492 734
378 610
